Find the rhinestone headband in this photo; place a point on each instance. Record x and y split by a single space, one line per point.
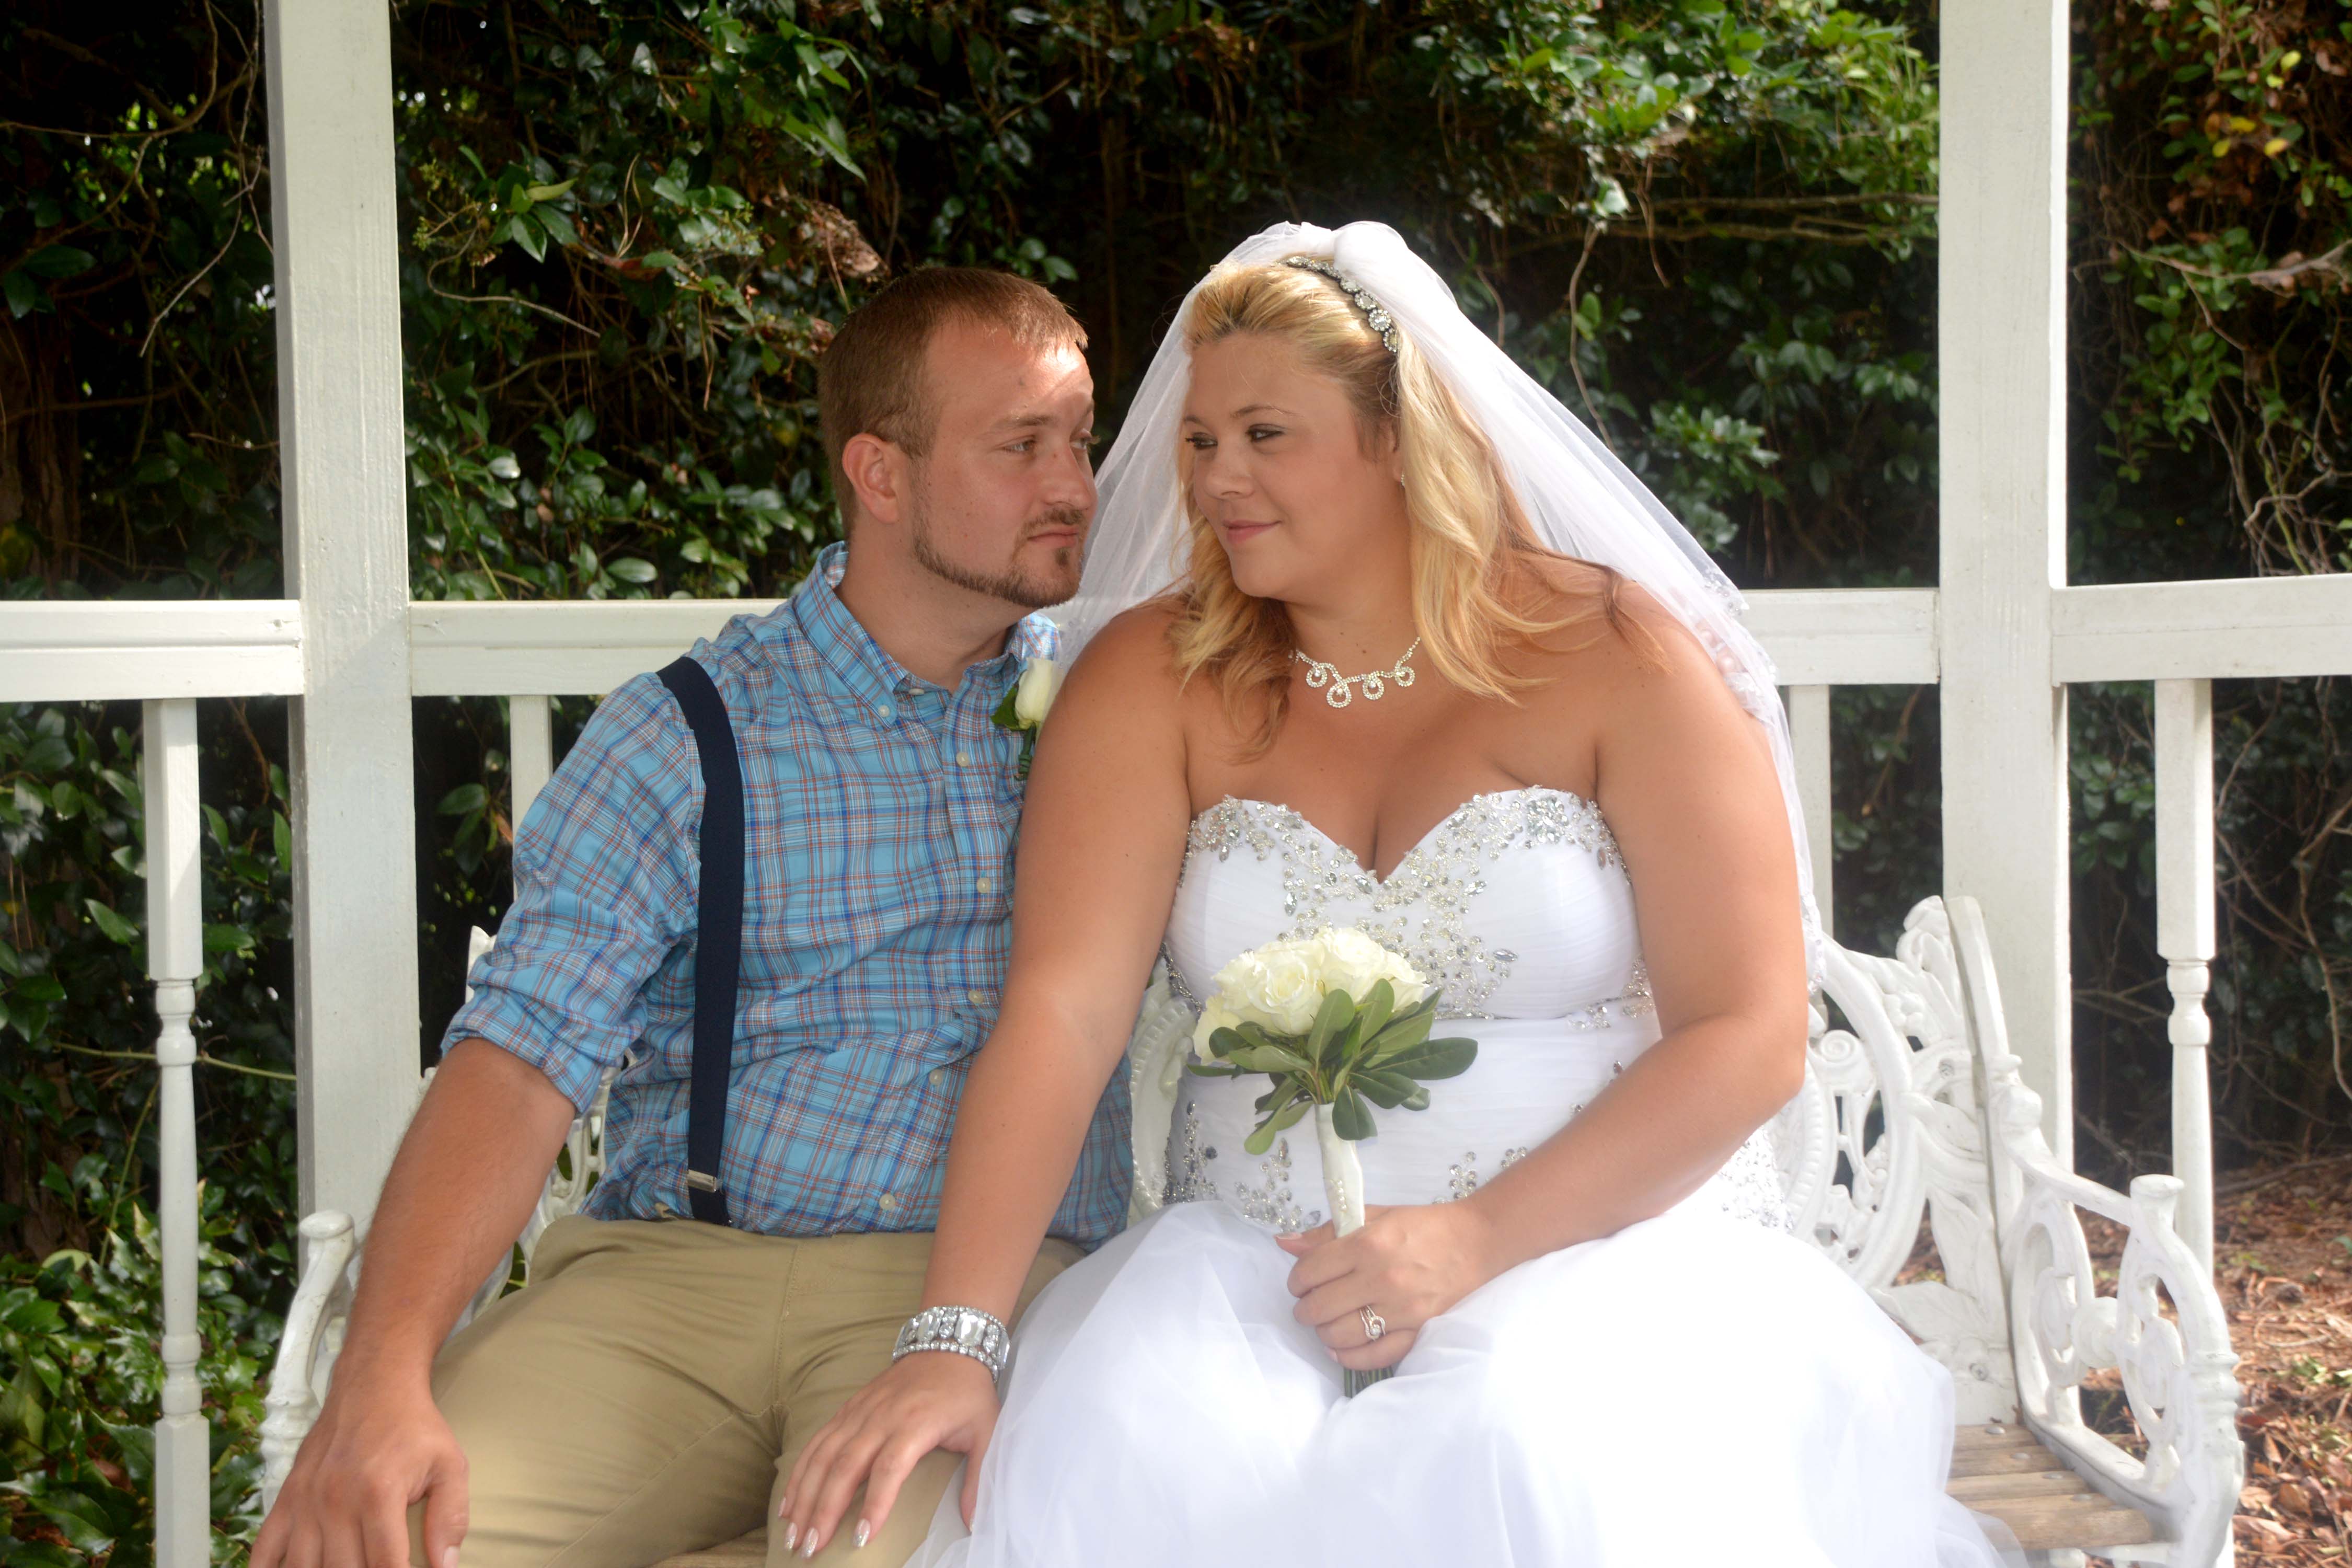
1374 312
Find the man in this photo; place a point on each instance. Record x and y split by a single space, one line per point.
652 1387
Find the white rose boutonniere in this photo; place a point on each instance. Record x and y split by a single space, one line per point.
1024 707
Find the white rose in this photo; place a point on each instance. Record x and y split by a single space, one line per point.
1289 991
1214 1015
1040 680
1351 961
1275 987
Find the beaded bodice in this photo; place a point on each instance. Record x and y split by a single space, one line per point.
1454 905
1517 904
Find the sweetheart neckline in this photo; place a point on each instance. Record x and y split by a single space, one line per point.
1418 845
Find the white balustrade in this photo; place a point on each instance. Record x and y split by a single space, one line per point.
2184 936
1809 738
176 959
530 750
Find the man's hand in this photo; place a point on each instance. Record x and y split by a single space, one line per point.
932 1399
377 1449
1408 1264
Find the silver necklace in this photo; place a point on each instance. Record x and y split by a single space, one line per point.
1374 682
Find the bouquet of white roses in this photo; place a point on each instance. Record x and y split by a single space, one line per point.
1341 1025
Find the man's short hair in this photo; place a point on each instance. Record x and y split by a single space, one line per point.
870 378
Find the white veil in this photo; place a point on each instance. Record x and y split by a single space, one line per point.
1579 498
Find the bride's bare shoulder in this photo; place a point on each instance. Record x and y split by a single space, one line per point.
1612 638
1132 657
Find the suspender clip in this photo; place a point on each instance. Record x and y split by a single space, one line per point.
701 1181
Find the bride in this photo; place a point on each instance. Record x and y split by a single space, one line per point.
1378 635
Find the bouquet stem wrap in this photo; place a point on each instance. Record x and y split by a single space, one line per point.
1343 1175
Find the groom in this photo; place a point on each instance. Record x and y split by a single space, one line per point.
652 1386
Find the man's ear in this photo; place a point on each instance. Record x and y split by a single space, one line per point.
877 472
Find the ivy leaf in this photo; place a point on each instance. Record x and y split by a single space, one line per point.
111 923
229 939
464 798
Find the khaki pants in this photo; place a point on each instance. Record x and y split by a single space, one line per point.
650 1390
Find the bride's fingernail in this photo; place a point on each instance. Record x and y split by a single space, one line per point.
791 1536
784 1508
864 1532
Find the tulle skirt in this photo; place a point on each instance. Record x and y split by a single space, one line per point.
1694 1389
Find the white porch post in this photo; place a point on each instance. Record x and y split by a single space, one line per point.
340 435
175 958
2001 326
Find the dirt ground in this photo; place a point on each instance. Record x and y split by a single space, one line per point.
2282 1259
2282 1253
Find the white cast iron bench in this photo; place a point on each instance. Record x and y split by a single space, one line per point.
1912 1109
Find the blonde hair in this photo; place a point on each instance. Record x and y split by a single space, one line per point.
1475 559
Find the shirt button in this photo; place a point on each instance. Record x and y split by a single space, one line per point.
963 758
888 1203
979 998
937 1077
986 882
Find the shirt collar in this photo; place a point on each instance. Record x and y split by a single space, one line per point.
876 679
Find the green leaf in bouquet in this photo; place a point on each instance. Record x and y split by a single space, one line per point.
1380 1003
1284 1091
1266 1058
1288 1116
1338 1009
1433 1059
1226 1042
1212 1069
1388 1089
1350 1118
1403 1033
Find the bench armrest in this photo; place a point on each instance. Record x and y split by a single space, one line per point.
306 1349
2164 1326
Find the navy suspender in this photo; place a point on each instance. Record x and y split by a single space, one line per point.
719 940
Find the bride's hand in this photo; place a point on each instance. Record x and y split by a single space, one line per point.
930 1400
1408 1264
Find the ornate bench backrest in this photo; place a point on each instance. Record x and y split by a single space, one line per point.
1889 1129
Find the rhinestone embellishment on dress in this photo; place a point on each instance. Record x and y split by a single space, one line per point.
1421 910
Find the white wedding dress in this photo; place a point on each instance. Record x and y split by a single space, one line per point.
1701 1388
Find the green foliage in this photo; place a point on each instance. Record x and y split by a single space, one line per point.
79 1371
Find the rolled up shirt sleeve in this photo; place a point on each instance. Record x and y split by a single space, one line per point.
604 890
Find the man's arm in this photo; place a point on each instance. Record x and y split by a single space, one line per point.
1102 839
473 1163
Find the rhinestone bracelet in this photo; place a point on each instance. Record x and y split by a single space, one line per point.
965 1330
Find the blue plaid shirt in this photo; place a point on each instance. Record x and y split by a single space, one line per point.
880 818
